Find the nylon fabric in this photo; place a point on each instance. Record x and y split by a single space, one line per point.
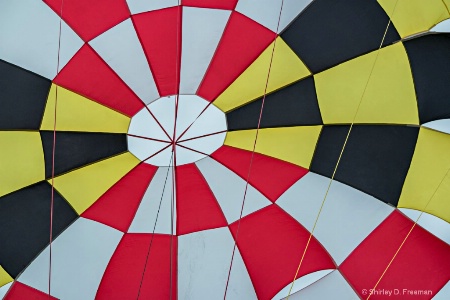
278 142
286 68
77 113
429 167
339 90
413 16
22 160
82 187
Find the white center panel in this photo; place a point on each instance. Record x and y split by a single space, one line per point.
187 124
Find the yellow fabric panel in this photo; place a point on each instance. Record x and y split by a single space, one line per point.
430 164
5 278
82 187
293 144
413 16
286 68
21 160
389 98
77 113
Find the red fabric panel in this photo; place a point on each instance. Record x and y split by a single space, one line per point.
160 35
271 243
20 291
220 4
269 175
117 207
124 272
423 263
197 208
88 75
242 42
91 18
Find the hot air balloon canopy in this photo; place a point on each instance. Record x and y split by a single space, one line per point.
224 149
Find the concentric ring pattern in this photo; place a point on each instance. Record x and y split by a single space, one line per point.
143 116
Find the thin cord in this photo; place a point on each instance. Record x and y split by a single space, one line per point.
154 228
446 6
340 154
253 152
407 236
148 138
171 163
144 105
172 208
202 136
174 149
159 124
192 123
53 156
156 153
193 150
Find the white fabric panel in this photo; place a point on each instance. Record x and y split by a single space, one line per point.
444 293
301 283
203 262
307 194
145 218
439 125
228 188
79 258
164 112
138 6
33 44
143 124
202 30
347 217
291 9
4 289
142 148
186 156
267 12
210 121
444 26
161 159
433 224
121 50
207 144
189 108
333 286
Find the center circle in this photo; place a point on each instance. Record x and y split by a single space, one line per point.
176 130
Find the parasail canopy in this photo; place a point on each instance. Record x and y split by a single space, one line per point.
232 149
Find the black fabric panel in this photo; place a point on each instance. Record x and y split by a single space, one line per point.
328 148
429 58
290 106
76 149
375 160
329 32
22 97
25 224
